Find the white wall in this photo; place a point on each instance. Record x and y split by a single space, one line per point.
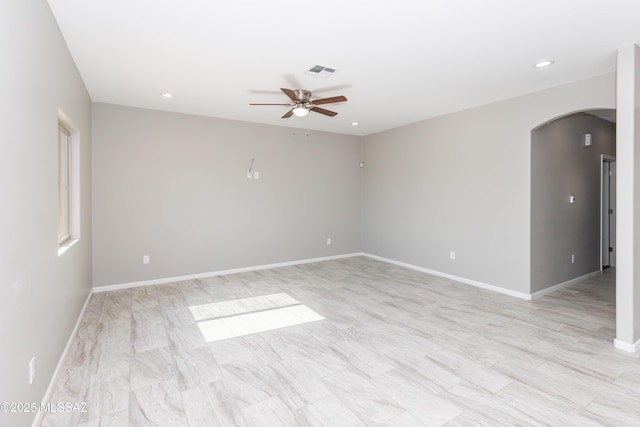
42 294
462 182
628 200
174 186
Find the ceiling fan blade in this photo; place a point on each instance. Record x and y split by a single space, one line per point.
291 94
323 111
288 114
329 100
288 105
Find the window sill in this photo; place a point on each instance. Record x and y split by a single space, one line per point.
66 245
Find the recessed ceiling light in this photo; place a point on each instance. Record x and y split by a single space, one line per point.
167 95
544 63
355 124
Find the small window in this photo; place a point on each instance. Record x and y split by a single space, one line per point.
64 184
68 183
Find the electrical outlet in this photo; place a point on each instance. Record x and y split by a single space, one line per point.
32 369
452 255
328 240
146 259
573 258
256 175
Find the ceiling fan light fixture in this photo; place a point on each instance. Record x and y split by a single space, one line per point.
300 111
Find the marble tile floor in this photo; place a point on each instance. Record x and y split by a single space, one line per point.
396 347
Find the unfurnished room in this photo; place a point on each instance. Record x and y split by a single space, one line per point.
320 214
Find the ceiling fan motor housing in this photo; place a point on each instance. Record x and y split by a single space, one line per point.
303 96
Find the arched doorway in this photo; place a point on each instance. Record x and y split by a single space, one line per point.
566 197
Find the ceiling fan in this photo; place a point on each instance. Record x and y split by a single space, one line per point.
302 103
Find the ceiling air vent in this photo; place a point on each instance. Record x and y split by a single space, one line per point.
320 72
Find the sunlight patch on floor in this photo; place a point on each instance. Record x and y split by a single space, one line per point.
230 319
241 306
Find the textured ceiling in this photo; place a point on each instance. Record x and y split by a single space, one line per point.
398 62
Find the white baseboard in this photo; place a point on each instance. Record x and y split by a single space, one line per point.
562 285
54 378
464 280
630 348
219 273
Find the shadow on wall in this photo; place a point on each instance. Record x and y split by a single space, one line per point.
565 195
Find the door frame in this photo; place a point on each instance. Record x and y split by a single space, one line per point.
604 158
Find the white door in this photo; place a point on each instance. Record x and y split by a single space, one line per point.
605 215
608 230
612 214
